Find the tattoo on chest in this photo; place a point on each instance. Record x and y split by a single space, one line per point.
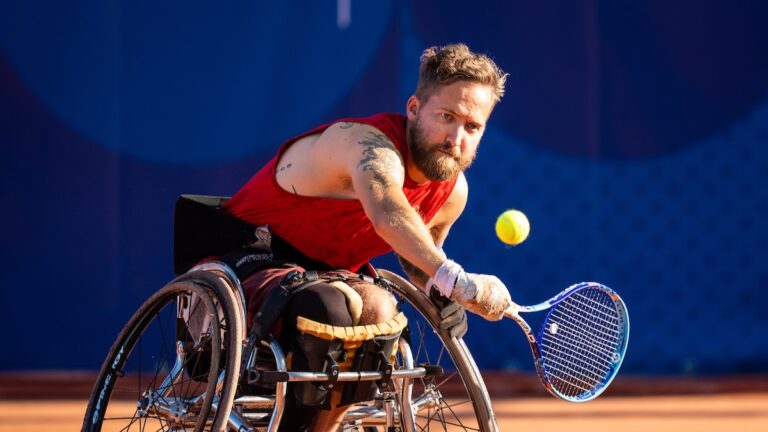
377 158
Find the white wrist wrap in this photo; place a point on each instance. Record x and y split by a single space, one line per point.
445 277
429 285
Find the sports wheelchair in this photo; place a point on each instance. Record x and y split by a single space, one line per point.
184 361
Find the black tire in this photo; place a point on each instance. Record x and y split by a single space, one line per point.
230 306
461 385
129 381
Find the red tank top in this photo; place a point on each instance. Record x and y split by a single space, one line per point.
334 231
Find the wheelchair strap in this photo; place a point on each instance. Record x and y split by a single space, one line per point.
245 261
294 282
277 300
274 305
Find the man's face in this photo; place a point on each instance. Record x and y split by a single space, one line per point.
444 132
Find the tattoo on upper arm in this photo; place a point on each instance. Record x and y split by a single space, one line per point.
377 158
284 167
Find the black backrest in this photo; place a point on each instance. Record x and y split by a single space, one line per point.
202 229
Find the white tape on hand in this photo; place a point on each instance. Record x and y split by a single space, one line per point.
445 277
484 295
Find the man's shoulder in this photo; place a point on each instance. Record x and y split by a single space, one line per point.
390 124
393 118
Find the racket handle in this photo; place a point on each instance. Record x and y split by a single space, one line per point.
513 311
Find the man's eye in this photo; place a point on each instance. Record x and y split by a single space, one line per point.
445 116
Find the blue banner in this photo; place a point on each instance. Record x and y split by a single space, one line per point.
634 135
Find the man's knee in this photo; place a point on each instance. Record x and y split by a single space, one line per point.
322 303
379 305
339 304
320 331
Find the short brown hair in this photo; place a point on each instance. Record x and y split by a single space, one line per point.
442 66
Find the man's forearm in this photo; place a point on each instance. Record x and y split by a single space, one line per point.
378 175
400 226
418 277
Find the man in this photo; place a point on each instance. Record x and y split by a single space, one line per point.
346 192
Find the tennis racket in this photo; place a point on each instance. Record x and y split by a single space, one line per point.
582 340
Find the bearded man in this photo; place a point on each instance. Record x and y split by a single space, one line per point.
343 193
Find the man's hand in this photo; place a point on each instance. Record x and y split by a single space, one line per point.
484 295
454 317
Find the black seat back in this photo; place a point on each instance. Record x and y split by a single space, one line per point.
202 229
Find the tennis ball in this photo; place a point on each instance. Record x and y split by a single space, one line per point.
512 227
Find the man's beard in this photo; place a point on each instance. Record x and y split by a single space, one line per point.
431 160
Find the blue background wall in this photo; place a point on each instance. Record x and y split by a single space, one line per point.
633 134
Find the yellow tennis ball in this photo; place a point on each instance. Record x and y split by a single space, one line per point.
512 227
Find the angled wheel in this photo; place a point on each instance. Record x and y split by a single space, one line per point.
230 306
457 400
161 372
175 364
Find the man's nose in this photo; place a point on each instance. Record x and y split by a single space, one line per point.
455 137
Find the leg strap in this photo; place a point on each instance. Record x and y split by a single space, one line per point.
278 299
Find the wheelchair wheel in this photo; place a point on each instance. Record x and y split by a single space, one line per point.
458 400
230 305
175 364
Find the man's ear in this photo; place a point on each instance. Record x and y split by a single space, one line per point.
412 107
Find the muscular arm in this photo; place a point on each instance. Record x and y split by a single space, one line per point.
359 162
441 224
377 174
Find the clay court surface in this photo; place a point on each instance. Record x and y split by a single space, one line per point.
701 413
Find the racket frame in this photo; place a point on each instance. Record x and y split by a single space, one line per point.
533 340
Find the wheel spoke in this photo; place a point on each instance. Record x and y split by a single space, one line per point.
159 401
437 399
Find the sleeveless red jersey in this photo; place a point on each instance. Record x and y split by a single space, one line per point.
334 231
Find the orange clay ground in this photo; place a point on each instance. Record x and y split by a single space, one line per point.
742 412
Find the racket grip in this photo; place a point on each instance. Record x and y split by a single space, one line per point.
513 311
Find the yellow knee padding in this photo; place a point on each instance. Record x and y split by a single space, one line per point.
353 336
359 333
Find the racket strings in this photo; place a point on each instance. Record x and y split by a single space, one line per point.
598 346
601 334
579 342
600 314
599 351
572 368
575 373
583 327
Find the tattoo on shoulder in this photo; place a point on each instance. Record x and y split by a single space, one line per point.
375 160
345 125
284 167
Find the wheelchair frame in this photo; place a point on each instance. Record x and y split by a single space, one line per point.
221 407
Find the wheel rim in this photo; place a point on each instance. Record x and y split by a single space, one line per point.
455 401
135 391
445 403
